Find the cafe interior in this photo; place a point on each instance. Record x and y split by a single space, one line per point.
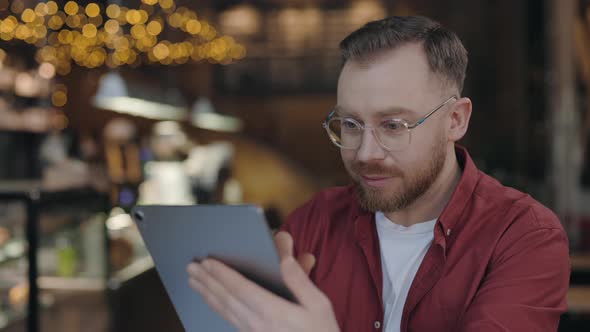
107 104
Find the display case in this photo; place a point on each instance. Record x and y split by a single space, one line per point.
50 241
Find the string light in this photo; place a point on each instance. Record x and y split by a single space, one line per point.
92 10
113 11
41 9
59 98
93 36
52 8
71 8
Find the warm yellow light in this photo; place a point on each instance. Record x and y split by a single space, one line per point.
38 20
113 11
55 22
138 31
193 26
111 26
175 20
40 31
28 15
154 28
82 18
123 54
121 42
174 51
2 55
22 32
150 2
161 51
123 15
97 58
144 16
71 8
41 9
89 30
132 57
47 70
166 4
148 41
6 36
52 39
59 98
52 7
73 21
237 51
92 10
8 25
65 37
133 16
151 58
31 39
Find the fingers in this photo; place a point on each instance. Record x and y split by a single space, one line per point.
284 244
307 262
217 296
300 285
258 300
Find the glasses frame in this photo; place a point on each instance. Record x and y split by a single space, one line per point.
408 126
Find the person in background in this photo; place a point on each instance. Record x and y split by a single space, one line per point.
422 240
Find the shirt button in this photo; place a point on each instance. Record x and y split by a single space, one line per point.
377 324
448 232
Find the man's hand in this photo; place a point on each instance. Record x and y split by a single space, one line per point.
250 307
284 244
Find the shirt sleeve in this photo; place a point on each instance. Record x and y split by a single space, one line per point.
526 284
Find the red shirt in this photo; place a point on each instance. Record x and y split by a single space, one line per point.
499 260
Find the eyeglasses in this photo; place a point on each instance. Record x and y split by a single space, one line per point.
391 134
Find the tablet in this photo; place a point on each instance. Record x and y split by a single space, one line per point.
234 234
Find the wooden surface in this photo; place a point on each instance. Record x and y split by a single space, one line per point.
580 262
578 299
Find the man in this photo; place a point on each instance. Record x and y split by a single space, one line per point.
423 241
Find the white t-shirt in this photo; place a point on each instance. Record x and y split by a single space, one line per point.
402 251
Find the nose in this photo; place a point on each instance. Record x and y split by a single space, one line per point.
370 148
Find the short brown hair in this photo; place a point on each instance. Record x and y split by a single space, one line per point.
446 54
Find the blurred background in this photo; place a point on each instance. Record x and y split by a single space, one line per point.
107 104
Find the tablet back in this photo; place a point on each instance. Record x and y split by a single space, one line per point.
236 235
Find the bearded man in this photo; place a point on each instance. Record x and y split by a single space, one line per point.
422 240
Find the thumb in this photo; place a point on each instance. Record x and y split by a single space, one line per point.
296 279
307 262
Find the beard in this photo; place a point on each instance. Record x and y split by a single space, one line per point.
418 181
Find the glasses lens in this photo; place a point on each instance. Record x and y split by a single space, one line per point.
394 134
345 133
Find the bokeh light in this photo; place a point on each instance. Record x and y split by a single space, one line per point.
91 35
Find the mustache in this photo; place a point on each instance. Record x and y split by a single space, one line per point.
375 168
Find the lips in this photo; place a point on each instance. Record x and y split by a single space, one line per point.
375 180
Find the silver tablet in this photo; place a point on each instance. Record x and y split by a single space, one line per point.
234 234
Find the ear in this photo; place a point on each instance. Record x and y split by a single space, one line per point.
460 113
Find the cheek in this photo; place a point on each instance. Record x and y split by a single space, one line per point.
347 156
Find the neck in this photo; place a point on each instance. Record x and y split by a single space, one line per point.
432 203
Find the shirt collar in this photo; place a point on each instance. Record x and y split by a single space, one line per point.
462 193
454 209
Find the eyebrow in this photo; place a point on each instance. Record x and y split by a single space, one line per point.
394 111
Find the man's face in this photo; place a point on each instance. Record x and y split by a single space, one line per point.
396 84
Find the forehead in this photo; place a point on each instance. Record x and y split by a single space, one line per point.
397 80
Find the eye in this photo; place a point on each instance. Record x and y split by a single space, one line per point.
349 124
393 126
